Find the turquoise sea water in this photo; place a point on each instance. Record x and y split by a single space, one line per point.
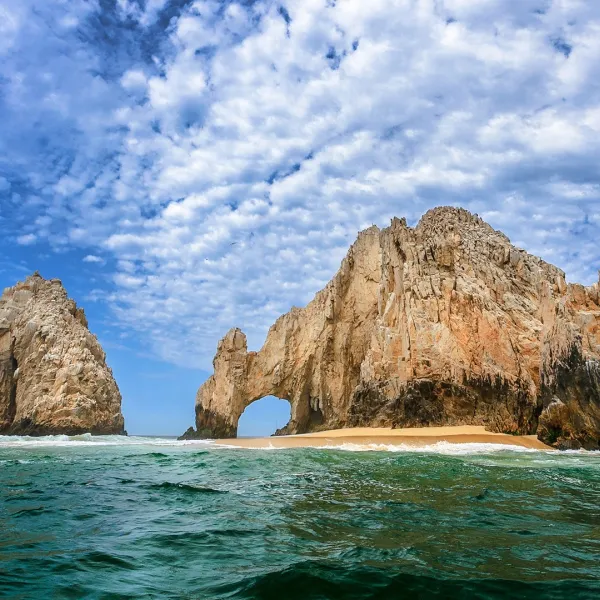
149 518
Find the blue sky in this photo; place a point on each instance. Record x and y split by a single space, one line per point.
188 166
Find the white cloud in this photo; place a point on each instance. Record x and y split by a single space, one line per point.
27 239
229 167
91 258
127 281
135 82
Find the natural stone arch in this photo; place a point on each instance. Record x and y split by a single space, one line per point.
444 323
311 356
239 381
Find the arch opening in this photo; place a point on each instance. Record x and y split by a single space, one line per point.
264 417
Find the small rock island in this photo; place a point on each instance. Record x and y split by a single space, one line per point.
53 374
446 323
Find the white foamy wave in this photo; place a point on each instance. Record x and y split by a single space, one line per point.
457 449
90 441
87 439
437 448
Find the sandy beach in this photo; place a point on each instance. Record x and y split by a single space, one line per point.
367 436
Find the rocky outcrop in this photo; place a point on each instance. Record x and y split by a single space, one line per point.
445 323
53 374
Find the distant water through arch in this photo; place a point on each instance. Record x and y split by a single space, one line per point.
263 417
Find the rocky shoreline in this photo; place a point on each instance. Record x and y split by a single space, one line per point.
441 325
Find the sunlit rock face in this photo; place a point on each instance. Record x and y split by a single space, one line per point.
446 323
53 374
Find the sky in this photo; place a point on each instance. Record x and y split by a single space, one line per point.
189 166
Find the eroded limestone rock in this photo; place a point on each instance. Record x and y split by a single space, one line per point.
446 323
53 374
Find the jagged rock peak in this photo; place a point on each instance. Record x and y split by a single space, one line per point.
444 219
444 323
53 374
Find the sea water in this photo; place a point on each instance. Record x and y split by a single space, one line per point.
111 517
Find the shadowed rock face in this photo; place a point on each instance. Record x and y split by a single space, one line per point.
446 323
53 374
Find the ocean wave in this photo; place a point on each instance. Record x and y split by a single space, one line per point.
436 448
441 447
458 449
186 487
313 580
87 439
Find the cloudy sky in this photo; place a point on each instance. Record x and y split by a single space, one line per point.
186 166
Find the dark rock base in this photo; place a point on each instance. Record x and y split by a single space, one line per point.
210 425
495 404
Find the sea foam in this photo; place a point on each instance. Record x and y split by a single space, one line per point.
87 439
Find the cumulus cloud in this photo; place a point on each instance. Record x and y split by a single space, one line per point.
227 153
91 258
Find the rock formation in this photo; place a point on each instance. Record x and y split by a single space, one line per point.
53 374
445 323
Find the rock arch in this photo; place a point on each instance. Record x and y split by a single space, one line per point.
446 323
311 356
240 379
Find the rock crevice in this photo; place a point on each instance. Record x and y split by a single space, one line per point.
444 323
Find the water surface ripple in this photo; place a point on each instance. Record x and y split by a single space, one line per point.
110 519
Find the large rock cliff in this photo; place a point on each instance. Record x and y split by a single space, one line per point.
53 374
445 323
